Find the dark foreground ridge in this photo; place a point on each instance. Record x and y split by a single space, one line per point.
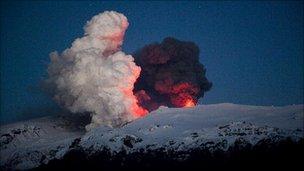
267 153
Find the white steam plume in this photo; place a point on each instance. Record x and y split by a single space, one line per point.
95 76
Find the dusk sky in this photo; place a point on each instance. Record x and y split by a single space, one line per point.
253 51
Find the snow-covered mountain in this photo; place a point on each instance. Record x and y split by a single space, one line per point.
176 132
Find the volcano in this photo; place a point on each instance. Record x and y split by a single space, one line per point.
205 136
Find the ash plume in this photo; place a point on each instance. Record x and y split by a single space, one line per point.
94 76
171 74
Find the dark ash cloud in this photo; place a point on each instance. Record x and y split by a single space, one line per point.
171 74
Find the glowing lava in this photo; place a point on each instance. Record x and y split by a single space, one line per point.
183 95
189 103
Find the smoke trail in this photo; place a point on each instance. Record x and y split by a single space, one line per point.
171 75
94 76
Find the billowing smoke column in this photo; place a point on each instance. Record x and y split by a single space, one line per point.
171 75
94 76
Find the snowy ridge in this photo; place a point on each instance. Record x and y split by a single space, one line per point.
26 144
185 128
31 143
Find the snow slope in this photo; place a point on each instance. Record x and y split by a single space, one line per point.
29 144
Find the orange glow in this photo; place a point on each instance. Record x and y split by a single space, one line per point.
135 109
189 103
139 111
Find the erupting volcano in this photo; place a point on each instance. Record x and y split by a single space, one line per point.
94 76
171 75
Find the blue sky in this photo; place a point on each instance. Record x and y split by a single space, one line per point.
253 51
